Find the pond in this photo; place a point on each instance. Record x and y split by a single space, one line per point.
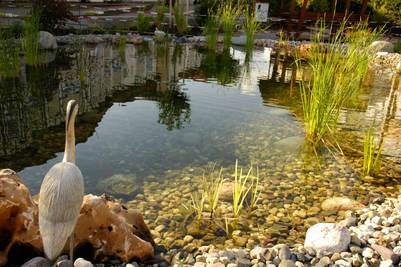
154 118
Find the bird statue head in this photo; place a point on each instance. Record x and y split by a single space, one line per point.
72 111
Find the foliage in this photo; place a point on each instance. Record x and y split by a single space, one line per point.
337 74
222 66
9 56
240 189
211 31
251 26
228 13
212 185
371 154
180 19
174 109
198 204
122 43
160 16
397 47
143 23
53 13
386 10
31 38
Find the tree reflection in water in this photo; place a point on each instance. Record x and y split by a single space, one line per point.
174 109
221 66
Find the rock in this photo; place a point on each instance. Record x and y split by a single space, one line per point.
284 253
120 186
340 203
80 262
287 263
110 229
18 218
242 262
258 253
387 263
47 41
384 252
382 46
327 238
37 262
64 263
323 262
343 263
290 144
368 253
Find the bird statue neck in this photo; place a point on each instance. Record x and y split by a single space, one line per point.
69 151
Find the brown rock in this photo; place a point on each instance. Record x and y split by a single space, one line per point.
18 215
103 224
111 230
340 203
386 253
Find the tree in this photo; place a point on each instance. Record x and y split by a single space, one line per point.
53 13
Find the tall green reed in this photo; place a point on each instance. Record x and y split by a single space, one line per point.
180 19
31 38
371 153
337 71
9 56
161 10
211 31
143 23
251 26
228 13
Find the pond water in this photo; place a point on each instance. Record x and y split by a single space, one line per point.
153 118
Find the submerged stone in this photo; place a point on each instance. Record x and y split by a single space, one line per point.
120 186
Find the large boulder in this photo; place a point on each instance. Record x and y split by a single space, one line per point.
327 238
105 228
18 217
47 40
382 46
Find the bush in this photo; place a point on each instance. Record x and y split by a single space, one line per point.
54 13
143 23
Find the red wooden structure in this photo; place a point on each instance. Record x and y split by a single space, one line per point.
333 14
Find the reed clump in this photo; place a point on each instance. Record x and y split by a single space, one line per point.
180 19
371 154
143 23
211 31
228 13
337 73
251 26
161 10
9 56
31 38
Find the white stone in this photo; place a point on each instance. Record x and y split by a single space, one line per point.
368 253
382 46
386 263
47 40
80 262
327 238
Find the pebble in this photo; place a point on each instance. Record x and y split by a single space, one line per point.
80 262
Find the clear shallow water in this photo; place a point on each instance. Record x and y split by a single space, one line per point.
153 118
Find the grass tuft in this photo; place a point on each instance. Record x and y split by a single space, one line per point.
371 154
143 23
31 38
251 26
211 31
228 13
180 19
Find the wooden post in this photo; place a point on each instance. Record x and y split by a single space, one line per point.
363 8
292 9
302 16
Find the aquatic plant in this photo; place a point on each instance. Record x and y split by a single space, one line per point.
83 64
122 43
31 38
228 13
198 200
9 56
161 10
240 189
251 26
180 19
212 185
143 23
211 31
254 190
337 73
371 153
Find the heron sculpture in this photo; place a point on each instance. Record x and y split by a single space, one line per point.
61 195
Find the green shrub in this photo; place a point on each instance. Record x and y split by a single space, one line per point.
143 23
180 19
